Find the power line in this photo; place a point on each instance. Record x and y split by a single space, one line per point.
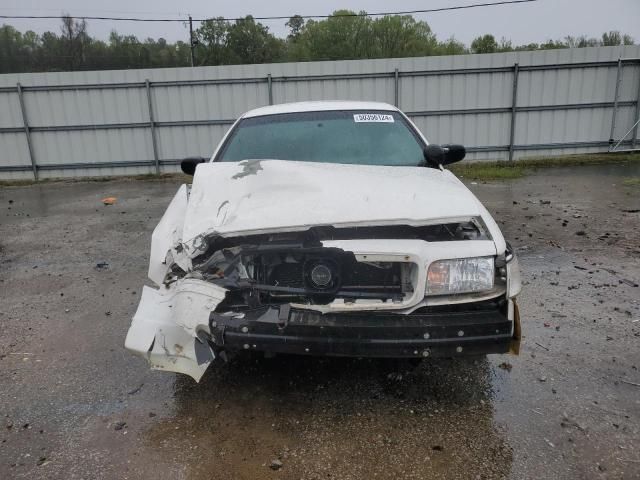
378 14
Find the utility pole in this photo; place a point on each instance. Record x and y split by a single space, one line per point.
191 41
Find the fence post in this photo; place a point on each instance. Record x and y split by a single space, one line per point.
152 125
615 102
27 132
270 87
514 104
396 87
636 117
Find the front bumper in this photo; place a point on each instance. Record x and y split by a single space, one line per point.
437 332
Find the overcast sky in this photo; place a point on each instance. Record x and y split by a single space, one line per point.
522 23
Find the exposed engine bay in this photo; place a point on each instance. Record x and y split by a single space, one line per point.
295 267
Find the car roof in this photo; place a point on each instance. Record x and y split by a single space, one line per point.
318 106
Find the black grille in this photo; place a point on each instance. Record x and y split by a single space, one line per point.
365 275
352 275
287 275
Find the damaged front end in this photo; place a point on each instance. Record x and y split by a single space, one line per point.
170 327
357 291
250 276
354 292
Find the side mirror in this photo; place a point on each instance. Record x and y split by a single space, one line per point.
454 153
189 164
436 155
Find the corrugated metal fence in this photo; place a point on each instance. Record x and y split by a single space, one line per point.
501 106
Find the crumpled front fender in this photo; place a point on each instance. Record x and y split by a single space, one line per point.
166 239
165 328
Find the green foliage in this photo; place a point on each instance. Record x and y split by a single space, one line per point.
484 44
343 35
225 43
251 42
631 182
614 38
295 24
338 37
451 47
503 170
74 49
488 171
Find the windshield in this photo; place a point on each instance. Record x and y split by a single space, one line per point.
360 137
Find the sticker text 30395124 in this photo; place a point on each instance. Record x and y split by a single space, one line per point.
373 117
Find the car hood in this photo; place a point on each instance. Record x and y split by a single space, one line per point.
261 196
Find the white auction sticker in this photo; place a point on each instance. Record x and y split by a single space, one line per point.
373 117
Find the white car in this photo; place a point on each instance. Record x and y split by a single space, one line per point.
325 228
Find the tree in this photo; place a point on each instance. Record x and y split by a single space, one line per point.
295 24
581 42
614 38
125 51
552 45
527 47
251 42
246 41
51 56
212 42
611 38
505 45
402 36
484 44
343 35
451 46
75 37
10 40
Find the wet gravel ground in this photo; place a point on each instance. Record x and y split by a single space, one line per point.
75 404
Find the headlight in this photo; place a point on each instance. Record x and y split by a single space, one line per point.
460 275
